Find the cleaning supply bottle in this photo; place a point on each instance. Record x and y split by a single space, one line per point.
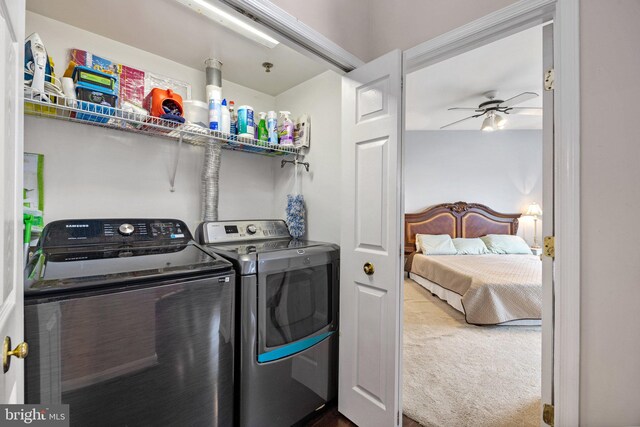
285 130
263 134
213 73
272 127
225 118
233 116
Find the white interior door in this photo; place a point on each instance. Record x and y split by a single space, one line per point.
11 110
547 220
370 309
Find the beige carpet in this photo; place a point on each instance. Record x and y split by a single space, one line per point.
456 374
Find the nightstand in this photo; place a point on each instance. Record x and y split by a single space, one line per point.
536 251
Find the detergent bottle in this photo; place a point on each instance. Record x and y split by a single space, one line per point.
263 133
286 129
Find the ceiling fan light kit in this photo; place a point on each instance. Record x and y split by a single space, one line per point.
488 124
493 106
493 122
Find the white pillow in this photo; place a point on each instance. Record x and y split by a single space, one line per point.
436 244
470 246
418 242
506 244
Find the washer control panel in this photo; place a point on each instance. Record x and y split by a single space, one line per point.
106 231
233 231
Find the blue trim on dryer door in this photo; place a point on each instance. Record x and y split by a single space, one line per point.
292 348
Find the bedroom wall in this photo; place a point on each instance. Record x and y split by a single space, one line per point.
610 197
321 97
94 172
502 170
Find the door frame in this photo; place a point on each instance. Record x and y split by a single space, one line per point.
504 22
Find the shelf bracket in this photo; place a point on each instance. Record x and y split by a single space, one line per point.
172 180
295 162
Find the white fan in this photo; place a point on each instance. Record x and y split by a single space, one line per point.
493 106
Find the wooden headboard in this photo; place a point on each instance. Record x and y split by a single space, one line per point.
459 219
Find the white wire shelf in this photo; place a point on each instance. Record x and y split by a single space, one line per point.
88 113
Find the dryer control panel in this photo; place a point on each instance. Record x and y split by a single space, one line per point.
234 231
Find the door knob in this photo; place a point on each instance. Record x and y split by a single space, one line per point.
368 268
21 351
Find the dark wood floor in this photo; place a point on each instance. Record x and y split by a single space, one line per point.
330 417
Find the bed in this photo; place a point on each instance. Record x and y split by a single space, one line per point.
488 289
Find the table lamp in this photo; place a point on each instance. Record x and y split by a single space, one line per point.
535 211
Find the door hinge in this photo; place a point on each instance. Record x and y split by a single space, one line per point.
549 79
398 418
549 246
547 414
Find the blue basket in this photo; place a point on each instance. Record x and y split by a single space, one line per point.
103 110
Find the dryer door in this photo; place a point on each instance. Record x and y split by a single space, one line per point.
297 300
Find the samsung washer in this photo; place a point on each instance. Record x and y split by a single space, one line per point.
287 319
130 322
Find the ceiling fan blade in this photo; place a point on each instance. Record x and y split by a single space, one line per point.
466 109
524 96
460 121
525 111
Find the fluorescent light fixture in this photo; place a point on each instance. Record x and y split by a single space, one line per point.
227 19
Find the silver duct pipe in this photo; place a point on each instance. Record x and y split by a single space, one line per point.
210 182
209 192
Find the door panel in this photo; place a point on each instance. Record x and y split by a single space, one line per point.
11 265
371 373
371 194
370 309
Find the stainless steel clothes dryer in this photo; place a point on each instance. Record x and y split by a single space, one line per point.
287 314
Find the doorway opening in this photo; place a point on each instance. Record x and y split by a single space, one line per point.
474 200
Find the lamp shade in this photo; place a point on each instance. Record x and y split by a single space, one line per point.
534 209
488 124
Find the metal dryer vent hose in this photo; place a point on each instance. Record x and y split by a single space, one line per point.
210 182
209 193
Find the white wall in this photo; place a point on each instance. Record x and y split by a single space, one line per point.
94 172
610 197
321 98
346 23
369 28
405 24
502 170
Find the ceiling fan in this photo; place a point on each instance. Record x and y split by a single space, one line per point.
493 106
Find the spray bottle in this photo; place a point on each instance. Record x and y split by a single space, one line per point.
286 129
272 127
213 71
263 133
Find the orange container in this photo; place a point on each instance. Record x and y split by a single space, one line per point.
159 98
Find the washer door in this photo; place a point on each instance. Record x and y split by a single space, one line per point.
297 300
